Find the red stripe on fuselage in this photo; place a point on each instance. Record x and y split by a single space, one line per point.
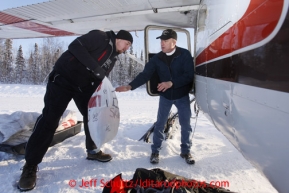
29 25
257 23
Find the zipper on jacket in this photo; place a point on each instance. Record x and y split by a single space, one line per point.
172 90
171 73
169 66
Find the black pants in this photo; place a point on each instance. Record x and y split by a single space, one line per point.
58 94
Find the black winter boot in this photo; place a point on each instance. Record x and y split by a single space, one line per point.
188 157
154 158
28 177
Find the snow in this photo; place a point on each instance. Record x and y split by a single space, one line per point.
216 158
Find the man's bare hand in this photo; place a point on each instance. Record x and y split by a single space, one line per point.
123 88
162 87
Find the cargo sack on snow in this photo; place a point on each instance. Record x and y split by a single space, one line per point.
103 114
19 123
16 128
159 181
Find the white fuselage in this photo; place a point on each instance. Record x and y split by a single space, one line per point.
238 85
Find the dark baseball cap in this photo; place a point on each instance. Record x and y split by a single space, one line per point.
167 34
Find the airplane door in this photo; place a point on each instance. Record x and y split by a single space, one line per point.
152 47
214 77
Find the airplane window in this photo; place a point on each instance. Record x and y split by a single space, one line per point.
154 44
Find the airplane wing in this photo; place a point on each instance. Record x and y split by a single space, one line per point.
76 17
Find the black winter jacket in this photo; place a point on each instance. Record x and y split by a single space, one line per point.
180 72
88 59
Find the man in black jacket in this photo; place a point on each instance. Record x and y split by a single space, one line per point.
175 68
76 75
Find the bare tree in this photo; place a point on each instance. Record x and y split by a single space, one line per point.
141 55
1 60
51 50
29 75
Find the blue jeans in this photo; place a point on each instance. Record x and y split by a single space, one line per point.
184 112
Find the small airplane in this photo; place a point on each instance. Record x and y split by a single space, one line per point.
241 54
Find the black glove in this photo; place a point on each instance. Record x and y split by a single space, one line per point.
99 73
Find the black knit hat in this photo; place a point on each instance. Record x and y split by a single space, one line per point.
124 35
167 34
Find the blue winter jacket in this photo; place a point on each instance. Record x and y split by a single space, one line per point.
180 72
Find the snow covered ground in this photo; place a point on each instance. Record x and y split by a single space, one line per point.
217 161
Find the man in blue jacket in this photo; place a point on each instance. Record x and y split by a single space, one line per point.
76 75
175 68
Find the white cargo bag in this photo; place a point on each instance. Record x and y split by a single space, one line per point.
103 114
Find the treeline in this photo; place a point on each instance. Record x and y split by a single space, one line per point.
16 69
